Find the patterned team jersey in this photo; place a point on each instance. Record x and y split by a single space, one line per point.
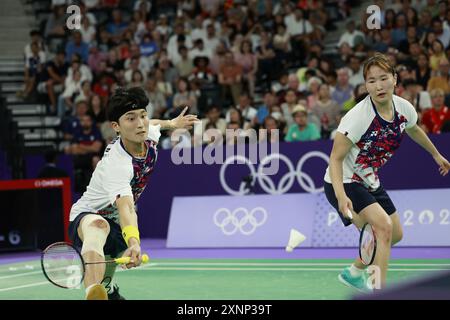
374 139
117 174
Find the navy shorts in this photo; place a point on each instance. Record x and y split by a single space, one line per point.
115 244
361 198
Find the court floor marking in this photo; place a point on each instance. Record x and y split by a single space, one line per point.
243 264
221 269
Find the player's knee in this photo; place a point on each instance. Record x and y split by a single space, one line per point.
384 231
100 224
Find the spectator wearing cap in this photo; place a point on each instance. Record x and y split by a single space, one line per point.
327 110
302 130
78 46
343 90
442 80
350 35
434 118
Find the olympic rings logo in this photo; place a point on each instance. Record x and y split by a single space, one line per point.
240 220
266 183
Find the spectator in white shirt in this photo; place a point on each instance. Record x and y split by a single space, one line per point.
199 50
350 35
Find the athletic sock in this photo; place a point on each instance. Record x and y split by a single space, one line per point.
355 272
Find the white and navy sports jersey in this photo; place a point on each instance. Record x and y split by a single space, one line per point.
374 139
117 174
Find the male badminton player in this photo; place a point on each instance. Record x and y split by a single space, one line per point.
367 137
104 220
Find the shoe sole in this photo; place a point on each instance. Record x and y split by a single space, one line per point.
97 292
348 284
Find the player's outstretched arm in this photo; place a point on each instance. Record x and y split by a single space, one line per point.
181 122
420 137
130 231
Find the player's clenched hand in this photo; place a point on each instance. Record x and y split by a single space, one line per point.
134 252
344 205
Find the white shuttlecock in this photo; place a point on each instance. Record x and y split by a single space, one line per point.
295 238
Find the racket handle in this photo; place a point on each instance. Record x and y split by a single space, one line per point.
349 213
126 260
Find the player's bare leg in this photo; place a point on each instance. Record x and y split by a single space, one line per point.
382 225
93 231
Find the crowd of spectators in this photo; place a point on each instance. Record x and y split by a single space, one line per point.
238 64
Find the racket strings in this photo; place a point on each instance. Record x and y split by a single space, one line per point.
63 266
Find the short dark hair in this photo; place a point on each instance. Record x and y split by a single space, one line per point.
125 100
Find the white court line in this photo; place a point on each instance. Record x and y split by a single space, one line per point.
25 286
21 274
300 264
266 264
222 269
270 269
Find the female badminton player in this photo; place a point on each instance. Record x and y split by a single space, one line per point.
103 222
367 137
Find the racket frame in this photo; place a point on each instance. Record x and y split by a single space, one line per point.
79 255
374 244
